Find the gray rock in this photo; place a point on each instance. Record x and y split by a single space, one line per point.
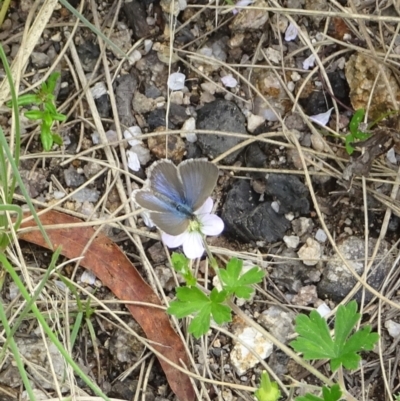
125 87
88 53
40 60
220 115
337 281
86 195
290 192
72 178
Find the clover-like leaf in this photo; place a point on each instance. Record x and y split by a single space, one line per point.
194 301
238 284
316 342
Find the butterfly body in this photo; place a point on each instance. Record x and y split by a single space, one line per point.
173 194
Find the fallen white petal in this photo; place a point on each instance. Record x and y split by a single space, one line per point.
241 3
176 81
309 62
291 32
229 81
211 224
133 160
323 309
322 118
193 246
131 132
173 241
206 207
88 277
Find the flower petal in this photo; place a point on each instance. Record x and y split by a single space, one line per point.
193 246
206 207
173 241
322 118
211 224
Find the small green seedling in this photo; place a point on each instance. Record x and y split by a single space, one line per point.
355 133
191 300
47 111
268 391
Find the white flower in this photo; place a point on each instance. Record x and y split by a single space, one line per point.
176 81
291 32
192 239
322 118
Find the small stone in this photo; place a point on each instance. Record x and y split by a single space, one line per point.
278 322
310 252
91 169
176 146
317 142
157 253
393 328
86 195
142 104
241 358
320 235
187 130
275 206
40 60
291 241
72 178
306 296
251 18
254 121
302 226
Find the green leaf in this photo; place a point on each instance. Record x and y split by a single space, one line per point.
52 81
193 301
355 121
239 284
180 263
46 137
329 394
34 114
315 341
268 391
57 139
26 100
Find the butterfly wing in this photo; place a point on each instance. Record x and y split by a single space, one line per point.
163 179
163 213
199 178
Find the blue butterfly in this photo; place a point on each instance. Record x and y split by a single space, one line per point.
172 194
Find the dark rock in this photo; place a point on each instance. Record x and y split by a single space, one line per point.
157 118
177 114
290 192
249 221
320 101
394 223
315 104
152 91
136 15
125 87
256 158
340 87
192 151
88 53
220 115
35 181
337 280
103 105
